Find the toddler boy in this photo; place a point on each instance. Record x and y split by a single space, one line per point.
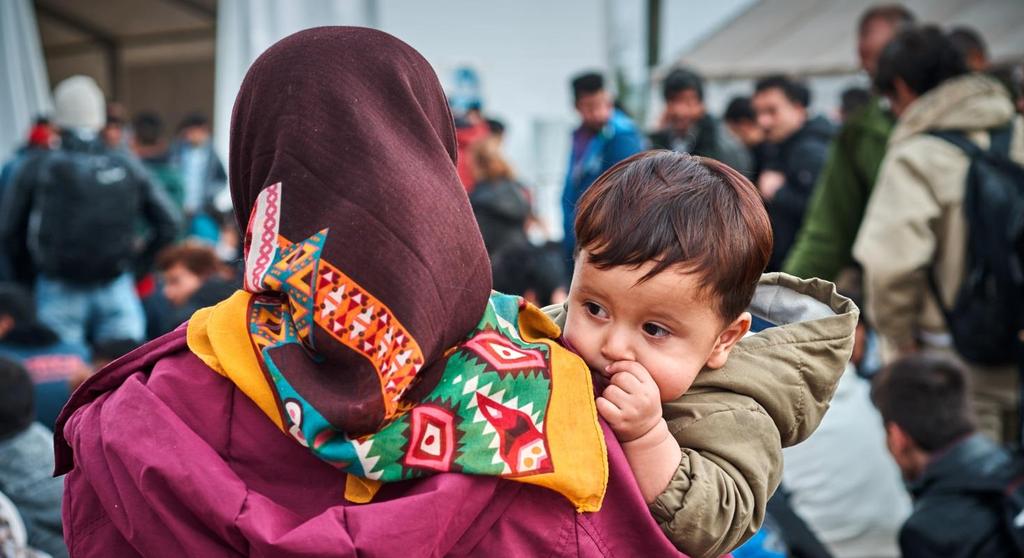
670 252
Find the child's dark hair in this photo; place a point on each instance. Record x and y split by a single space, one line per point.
679 210
927 396
17 398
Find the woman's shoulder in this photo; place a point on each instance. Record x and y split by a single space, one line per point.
164 369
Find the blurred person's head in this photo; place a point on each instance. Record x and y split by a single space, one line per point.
496 127
532 272
78 104
924 403
42 135
742 121
877 26
593 101
781 106
683 91
916 61
148 128
487 161
971 47
185 268
195 129
19 323
670 248
113 130
17 398
853 100
105 352
475 113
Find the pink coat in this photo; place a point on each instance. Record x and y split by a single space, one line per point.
164 457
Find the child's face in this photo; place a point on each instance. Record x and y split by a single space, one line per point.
664 323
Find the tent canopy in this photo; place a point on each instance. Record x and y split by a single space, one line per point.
125 33
819 37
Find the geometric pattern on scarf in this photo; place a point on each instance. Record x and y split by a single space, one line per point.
486 416
318 293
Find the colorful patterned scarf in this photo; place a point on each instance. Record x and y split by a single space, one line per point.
510 402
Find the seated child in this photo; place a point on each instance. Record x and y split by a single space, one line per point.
670 250
26 462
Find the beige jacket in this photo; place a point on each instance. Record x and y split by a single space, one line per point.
733 422
914 219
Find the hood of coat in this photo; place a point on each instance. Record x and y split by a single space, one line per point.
969 102
792 363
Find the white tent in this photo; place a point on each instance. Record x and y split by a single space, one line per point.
818 37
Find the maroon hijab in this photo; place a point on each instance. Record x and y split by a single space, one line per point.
355 127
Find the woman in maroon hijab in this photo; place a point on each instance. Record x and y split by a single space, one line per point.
365 361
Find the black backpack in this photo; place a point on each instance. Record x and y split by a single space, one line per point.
85 211
986 318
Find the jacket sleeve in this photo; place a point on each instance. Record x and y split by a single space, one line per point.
895 245
159 212
621 146
733 153
807 162
915 544
15 206
731 465
825 241
217 179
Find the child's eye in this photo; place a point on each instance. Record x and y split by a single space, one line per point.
655 330
595 310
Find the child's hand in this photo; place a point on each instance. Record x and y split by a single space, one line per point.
632 402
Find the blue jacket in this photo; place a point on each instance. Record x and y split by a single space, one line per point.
618 140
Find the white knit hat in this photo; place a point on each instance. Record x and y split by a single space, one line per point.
79 104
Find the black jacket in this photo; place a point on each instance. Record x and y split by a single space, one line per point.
74 214
958 504
800 158
501 209
708 137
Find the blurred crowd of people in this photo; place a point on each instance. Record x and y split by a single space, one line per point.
112 233
874 200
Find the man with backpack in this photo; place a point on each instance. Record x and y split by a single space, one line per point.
72 216
941 239
955 474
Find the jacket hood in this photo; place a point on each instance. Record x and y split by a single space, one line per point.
969 102
792 363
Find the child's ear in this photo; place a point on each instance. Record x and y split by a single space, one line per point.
728 339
